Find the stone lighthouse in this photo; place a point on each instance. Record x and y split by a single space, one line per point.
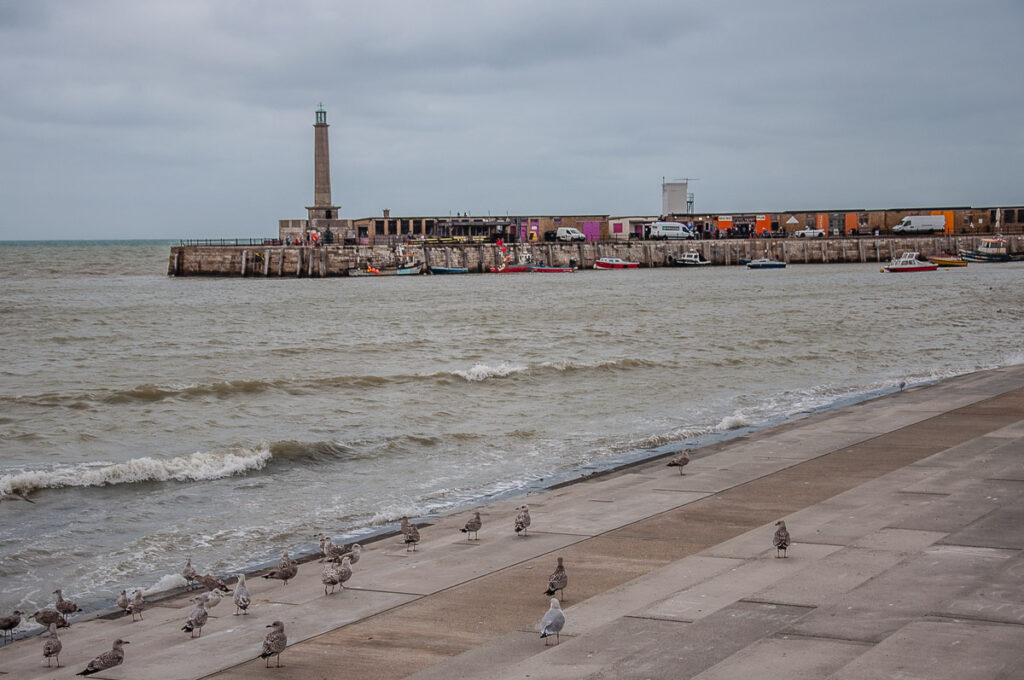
322 215
321 208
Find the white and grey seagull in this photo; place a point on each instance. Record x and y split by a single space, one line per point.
553 622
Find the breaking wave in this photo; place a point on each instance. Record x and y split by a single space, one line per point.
481 371
194 467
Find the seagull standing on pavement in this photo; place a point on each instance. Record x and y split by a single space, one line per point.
242 597
680 461
781 539
274 643
52 646
553 622
410 534
107 659
557 580
522 520
473 526
197 619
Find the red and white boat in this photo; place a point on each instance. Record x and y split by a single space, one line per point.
614 263
909 262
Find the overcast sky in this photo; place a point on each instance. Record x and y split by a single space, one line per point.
185 119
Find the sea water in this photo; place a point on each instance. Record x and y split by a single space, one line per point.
151 418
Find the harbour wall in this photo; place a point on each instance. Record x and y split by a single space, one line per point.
254 260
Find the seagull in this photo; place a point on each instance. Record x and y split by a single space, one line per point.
552 622
473 526
65 606
107 659
274 643
242 597
411 534
197 619
903 383
522 520
136 606
331 576
680 461
211 582
188 573
332 551
15 497
781 539
52 646
9 623
122 600
209 599
284 572
557 580
357 550
44 617
285 561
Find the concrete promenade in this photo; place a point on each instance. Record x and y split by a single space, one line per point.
907 516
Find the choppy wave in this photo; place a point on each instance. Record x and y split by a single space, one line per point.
150 393
193 467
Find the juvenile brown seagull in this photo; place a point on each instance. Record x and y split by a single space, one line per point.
242 597
52 646
473 526
410 534
9 623
136 606
781 539
107 659
274 643
286 569
522 520
197 619
557 580
680 461
65 606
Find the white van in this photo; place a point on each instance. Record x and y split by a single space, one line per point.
666 230
921 224
569 234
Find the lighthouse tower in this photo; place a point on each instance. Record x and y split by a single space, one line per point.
321 208
322 216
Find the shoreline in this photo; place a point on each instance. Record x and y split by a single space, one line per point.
308 552
637 533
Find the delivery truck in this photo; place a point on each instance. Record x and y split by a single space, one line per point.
921 224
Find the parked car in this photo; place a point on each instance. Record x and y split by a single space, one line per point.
809 232
569 234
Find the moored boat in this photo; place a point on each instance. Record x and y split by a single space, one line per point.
691 258
909 262
542 269
402 270
990 250
614 263
944 260
447 270
765 263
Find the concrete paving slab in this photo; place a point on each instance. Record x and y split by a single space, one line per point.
999 597
718 592
947 650
633 648
912 589
786 657
1001 528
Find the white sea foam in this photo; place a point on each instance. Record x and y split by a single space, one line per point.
166 582
193 467
733 422
481 371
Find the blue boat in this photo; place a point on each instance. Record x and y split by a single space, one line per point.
448 270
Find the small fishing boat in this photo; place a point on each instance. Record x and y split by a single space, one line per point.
909 262
765 263
691 258
944 260
407 269
508 265
542 269
990 250
614 263
447 270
